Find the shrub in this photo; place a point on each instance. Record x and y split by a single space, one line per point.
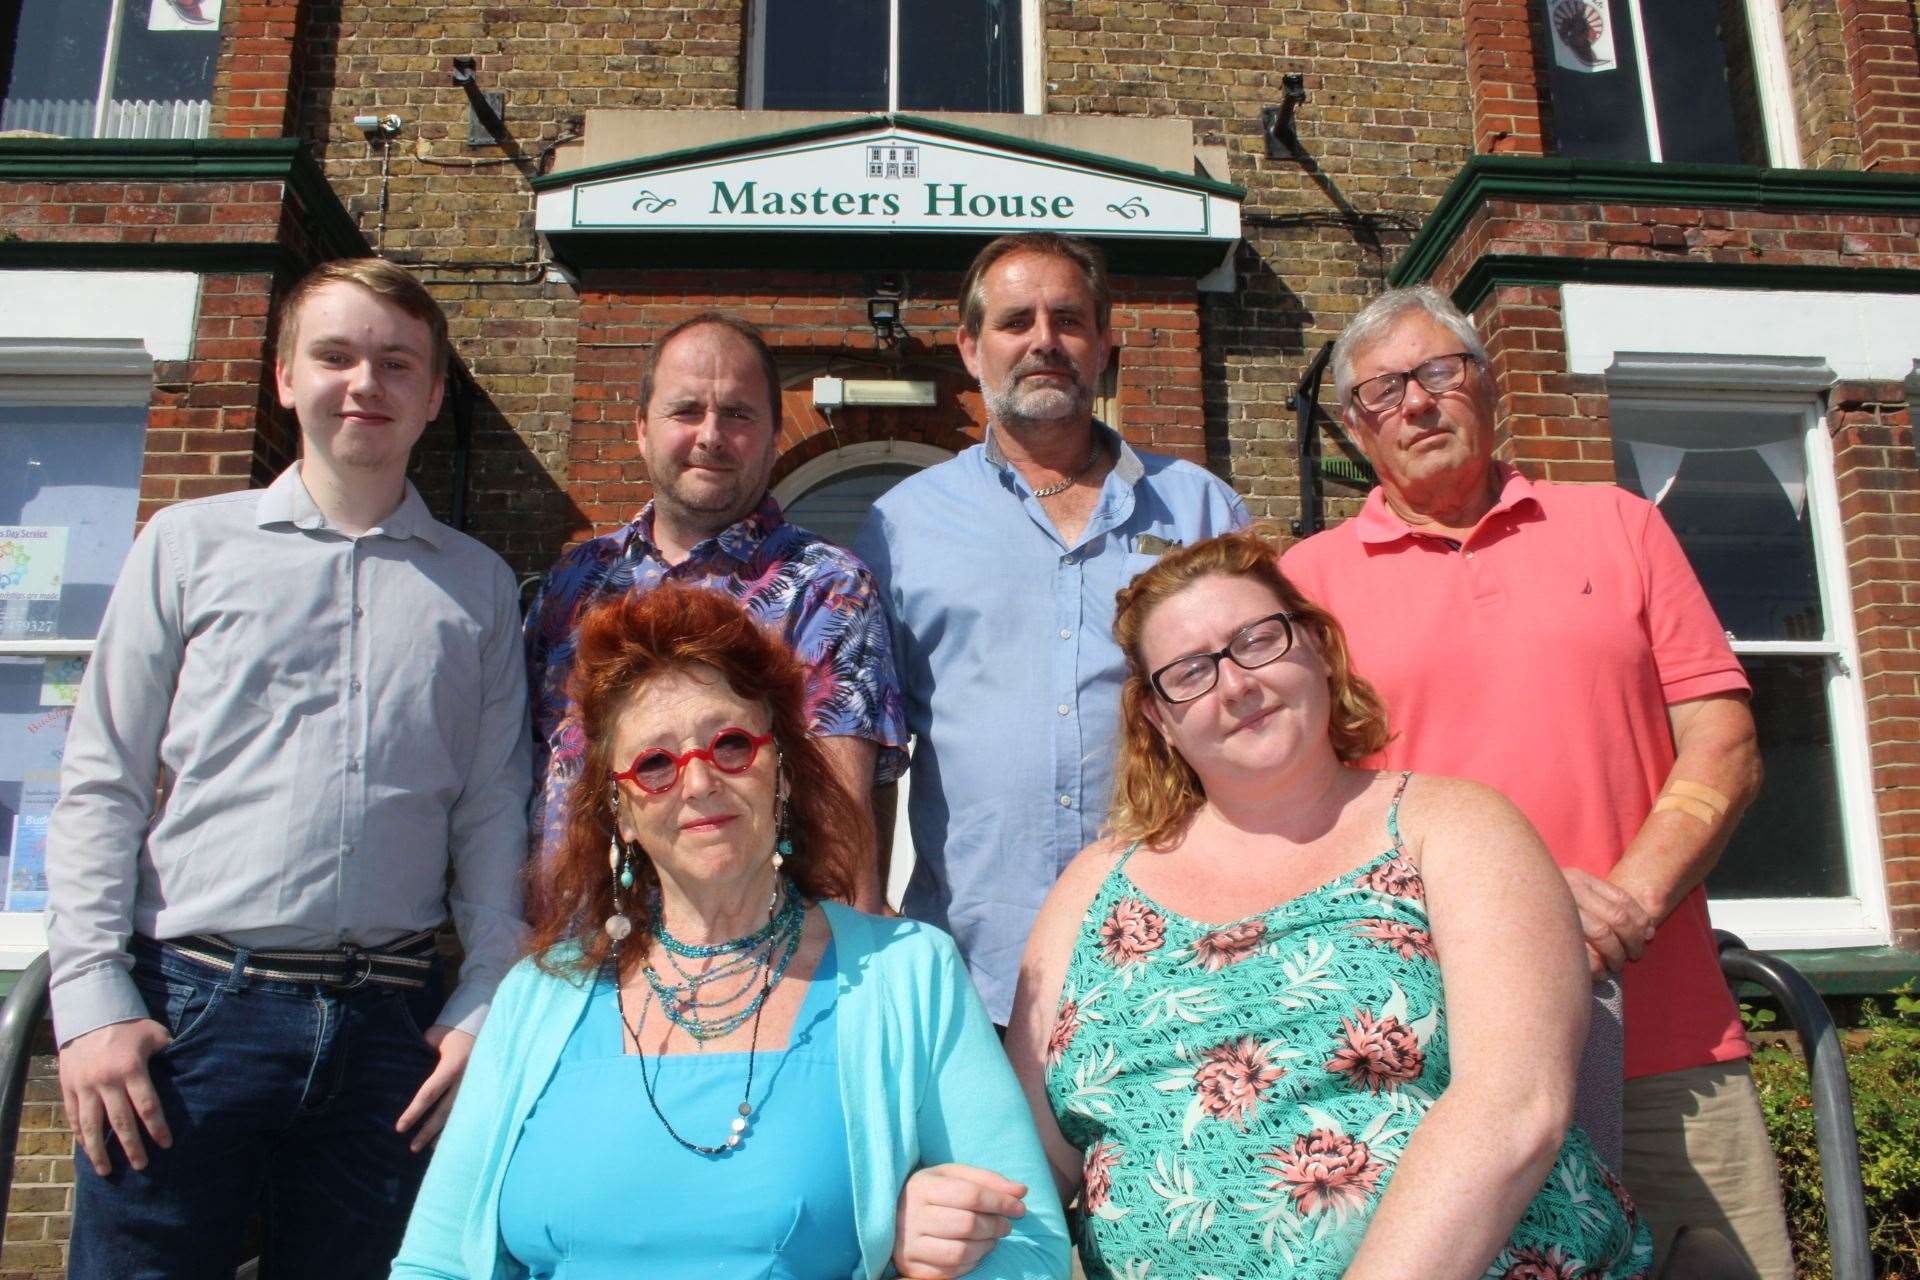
1883 1067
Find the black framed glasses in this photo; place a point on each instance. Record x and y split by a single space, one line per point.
656 770
1436 375
1261 641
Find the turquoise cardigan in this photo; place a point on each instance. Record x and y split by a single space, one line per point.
922 1079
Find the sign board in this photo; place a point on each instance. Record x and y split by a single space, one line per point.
892 177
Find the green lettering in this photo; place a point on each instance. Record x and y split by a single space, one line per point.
934 198
741 203
1063 206
890 204
843 203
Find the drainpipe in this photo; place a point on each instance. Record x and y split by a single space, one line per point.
1306 401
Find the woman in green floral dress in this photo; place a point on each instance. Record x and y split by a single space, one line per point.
1296 1018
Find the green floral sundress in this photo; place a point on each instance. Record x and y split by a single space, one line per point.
1243 1092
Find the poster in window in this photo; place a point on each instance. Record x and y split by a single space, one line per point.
60 681
33 559
1582 34
183 15
27 851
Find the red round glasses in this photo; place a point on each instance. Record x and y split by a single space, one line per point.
656 770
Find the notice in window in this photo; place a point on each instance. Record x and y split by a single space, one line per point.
60 681
33 560
183 15
27 852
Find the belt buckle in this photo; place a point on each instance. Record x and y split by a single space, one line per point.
353 956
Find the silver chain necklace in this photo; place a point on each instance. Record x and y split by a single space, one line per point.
1061 486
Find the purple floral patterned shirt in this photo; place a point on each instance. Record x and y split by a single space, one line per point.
818 597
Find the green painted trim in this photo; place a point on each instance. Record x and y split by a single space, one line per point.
1854 971
850 251
1552 180
1495 270
88 255
862 124
184 160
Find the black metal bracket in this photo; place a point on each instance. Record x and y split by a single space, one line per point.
1276 123
486 111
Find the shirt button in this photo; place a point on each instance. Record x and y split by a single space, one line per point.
346 849
1064 709
353 764
1066 802
358 612
1469 555
1065 634
354 685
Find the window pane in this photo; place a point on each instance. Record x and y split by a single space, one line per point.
960 55
52 51
824 55
1703 81
1738 505
164 66
1790 843
69 489
36 702
1597 114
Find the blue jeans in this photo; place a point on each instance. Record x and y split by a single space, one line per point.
282 1097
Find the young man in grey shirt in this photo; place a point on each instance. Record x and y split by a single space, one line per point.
306 708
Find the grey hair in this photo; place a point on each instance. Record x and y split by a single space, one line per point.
1386 311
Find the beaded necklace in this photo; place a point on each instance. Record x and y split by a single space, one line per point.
786 918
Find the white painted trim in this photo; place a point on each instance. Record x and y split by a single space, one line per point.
817 471
1865 337
1644 68
46 648
753 92
82 371
1796 924
1774 81
109 68
155 307
1033 56
893 55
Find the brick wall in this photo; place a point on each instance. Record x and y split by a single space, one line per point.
1883 62
1878 476
1822 89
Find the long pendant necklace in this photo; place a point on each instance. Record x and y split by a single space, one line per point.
785 924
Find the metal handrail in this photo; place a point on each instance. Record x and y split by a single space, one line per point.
21 1016
1833 1127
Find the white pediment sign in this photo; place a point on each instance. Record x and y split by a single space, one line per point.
894 178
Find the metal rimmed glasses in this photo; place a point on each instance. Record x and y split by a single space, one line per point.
1261 641
732 750
1435 375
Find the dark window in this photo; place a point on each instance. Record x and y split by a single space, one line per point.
1700 74
839 55
53 55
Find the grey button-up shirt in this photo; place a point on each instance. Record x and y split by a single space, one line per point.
287 736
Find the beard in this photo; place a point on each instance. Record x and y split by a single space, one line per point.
709 501
1042 405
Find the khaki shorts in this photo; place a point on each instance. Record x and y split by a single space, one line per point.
1697 1154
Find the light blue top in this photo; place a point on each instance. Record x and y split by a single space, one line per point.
924 1082
1003 634
780 1206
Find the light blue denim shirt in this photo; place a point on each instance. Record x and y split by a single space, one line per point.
1003 634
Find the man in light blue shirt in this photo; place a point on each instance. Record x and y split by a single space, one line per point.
998 569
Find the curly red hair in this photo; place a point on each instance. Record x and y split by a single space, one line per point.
624 644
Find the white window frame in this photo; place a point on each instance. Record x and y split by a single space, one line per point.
1032 57
1667 382
1772 82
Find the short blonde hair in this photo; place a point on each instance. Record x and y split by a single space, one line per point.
382 279
1156 793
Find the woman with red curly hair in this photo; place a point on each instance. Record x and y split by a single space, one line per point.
1298 1018
709 1066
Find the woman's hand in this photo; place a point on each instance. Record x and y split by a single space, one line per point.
949 1217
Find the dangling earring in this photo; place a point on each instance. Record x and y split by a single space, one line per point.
782 843
620 863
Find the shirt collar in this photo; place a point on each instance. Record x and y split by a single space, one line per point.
1379 524
1127 467
286 501
740 540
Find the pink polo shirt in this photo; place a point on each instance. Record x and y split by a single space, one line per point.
1539 657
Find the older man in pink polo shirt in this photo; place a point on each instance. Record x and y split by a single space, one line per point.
1553 642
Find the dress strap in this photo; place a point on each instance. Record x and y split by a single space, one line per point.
1393 809
1125 858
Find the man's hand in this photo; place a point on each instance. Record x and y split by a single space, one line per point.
1616 926
434 1101
104 1081
949 1217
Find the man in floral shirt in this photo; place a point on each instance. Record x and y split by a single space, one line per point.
709 416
